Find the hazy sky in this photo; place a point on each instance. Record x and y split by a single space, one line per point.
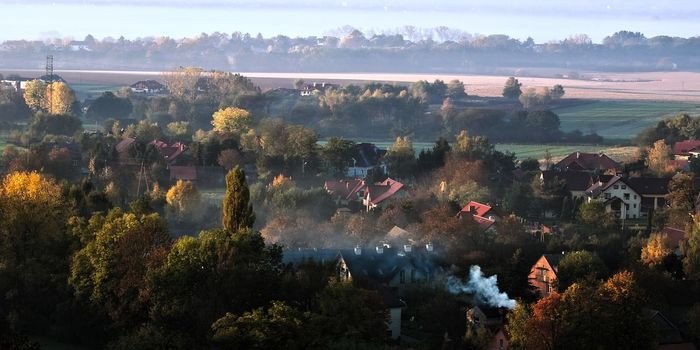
543 20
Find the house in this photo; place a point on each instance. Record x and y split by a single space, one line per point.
580 161
500 340
147 87
345 191
376 194
79 46
543 274
365 157
576 182
683 150
484 215
618 196
169 152
486 316
15 83
122 148
371 196
316 88
385 269
653 191
669 336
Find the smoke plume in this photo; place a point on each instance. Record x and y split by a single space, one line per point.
484 289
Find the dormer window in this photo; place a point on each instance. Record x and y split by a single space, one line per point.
616 187
624 187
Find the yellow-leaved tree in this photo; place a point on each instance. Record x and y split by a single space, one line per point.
60 98
184 200
659 155
656 250
35 95
231 120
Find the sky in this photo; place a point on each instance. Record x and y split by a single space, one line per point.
543 20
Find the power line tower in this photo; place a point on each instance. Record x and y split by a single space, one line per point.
49 76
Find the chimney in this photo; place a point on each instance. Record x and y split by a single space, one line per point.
380 249
429 247
358 250
407 248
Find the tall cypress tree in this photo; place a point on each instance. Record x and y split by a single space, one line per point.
238 212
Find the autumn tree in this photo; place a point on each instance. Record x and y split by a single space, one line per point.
237 210
657 159
35 95
691 260
656 250
681 198
456 89
34 249
231 120
60 98
184 200
182 83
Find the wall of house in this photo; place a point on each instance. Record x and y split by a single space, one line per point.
357 172
542 277
499 342
394 322
628 195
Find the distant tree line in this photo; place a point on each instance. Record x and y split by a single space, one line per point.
408 50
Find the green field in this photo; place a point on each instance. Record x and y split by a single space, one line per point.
523 151
89 91
621 120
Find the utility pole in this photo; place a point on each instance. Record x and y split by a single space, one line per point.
49 76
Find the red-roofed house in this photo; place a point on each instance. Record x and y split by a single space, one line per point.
476 208
378 193
685 149
169 152
345 190
543 274
580 161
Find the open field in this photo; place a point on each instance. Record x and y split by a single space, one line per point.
648 86
620 119
537 151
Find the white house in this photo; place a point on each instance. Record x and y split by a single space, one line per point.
619 197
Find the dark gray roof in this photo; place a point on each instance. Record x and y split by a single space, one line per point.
553 259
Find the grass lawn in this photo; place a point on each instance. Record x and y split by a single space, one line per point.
84 91
620 119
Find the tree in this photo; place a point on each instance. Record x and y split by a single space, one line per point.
231 120
237 210
44 124
182 83
691 261
658 157
681 198
579 265
556 92
511 90
35 95
34 250
108 105
184 200
229 158
656 250
110 270
60 98
278 327
593 214
299 84
535 99
456 89
337 154
401 158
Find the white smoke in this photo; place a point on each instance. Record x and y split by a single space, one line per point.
484 289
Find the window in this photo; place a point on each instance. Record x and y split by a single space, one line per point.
635 196
635 205
624 187
627 196
616 187
607 196
402 277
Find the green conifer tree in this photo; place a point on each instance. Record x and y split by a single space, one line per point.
238 211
